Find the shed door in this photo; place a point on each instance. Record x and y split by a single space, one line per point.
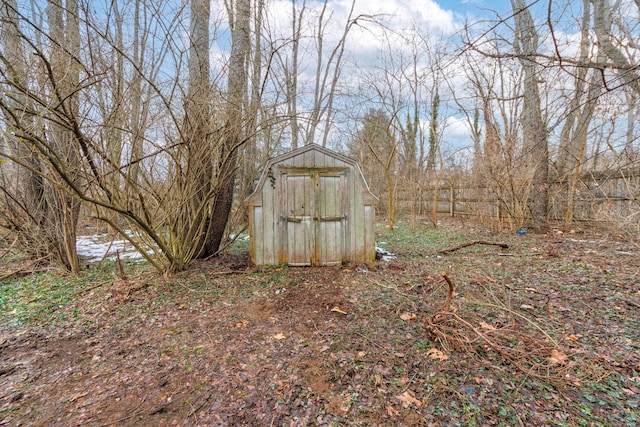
300 209
315 217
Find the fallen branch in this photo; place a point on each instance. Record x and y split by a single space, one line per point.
502 350
525 352
21 269
447 303
476 242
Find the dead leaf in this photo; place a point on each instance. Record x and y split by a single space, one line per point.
78 396
408 316
487 327
279 336
436 354
557 357
408 399
378 380
572 337
391 411
338 310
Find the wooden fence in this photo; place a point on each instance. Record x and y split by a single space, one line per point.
599 196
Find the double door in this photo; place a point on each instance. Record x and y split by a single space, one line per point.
314 216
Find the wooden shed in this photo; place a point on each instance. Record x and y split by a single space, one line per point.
311 206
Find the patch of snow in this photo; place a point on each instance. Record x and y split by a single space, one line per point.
384 255
97 247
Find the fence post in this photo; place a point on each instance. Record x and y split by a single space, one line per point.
452 201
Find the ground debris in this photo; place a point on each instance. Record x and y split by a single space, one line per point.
200 348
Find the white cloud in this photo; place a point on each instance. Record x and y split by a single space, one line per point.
457 133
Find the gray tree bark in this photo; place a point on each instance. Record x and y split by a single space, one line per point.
234 126
196 177
62 217
534 129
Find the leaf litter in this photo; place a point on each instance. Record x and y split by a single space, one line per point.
200 348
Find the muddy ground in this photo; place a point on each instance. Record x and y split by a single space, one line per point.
543 332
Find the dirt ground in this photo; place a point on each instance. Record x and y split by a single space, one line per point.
228 344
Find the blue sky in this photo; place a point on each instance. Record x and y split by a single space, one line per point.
438 21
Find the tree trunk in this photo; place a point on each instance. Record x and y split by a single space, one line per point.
291 73
534 130
62 218
25 205
195 178
568 145
233 136
602 23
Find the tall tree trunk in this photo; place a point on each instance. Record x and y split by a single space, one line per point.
632 119
64 210
137 120
234 126
196 181
251 158
568 145
579 138
291 73
534 130
26 208
433 133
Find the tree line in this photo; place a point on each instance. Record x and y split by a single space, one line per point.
155 116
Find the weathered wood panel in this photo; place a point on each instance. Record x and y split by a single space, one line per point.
309 208
257 246
269 224
300 202
330 219
369 233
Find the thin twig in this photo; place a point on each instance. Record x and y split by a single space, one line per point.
393 288
133 414
476 242
525 318
490 343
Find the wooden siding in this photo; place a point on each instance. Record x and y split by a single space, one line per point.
311 207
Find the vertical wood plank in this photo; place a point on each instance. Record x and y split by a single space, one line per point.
258 239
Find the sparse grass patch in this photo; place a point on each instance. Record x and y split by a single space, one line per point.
263 341
42 298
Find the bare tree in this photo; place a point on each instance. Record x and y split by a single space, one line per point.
157 177
534 129
376 147
56 210
234 131
302 48
24 206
